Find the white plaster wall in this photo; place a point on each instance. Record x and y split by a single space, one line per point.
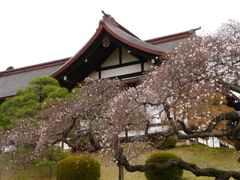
211 142
113 59
93 75
121 71
147 66
126 57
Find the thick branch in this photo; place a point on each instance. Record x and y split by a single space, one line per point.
231 86
231 116
232 128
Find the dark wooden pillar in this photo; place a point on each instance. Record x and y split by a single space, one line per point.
121 172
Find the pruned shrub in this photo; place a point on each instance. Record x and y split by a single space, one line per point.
170 142
237 146
172 173
78 168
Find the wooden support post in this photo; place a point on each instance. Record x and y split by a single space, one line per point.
118 158
121 175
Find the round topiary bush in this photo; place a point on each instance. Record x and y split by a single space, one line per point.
237 146
172 173
170 142
78 168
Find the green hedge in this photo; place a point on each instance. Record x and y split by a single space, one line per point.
170 142
237 146
78 168
172 173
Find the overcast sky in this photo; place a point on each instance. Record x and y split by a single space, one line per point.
37 31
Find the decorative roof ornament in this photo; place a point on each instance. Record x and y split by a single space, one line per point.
106 41
109 19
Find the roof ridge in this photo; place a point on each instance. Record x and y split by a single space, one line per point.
33 67
172 37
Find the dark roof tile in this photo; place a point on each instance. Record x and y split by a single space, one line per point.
11 83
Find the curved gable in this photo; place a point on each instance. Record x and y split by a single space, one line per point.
109 36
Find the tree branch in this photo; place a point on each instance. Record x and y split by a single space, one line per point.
231 86
232 128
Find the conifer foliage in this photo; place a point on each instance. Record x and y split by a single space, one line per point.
28 102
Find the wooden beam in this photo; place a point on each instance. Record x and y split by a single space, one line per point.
97 67
123 65
70 80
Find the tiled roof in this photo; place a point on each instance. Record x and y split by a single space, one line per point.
15 79
173 37
134 40
169 46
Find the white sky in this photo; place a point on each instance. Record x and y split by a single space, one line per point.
37 31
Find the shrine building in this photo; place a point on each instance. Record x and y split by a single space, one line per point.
113 51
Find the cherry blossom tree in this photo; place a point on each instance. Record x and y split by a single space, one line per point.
188 93
190 78
79 119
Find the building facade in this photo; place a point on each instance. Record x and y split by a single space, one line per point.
113 51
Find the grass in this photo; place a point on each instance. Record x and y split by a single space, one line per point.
204 157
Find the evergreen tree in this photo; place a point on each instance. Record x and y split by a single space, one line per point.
27 102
